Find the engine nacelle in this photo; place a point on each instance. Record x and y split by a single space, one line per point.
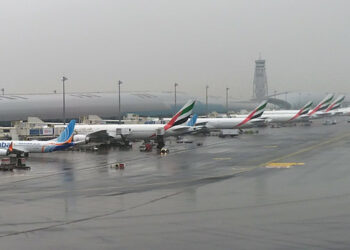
4 152
81 138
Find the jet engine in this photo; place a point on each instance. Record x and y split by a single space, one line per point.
81 138
4 152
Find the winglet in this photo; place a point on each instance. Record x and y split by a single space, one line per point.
323 104
192 121
303 111
336 103
182 116
256 113
67 135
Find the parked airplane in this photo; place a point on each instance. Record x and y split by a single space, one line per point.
279 116
323 105
333 108
184 129
233 122
344 111
135 132
64 141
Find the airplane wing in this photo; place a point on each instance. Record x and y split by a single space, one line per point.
198 124
200 127
180 129
258 121
99 134
304 117
322 114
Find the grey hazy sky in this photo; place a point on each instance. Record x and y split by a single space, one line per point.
151 44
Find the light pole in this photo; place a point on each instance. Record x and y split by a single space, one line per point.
120 116
227 89
206 99
175 85
64 99
3 91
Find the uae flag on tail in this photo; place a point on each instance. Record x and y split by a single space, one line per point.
181 116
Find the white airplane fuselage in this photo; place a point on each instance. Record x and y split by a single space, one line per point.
284 117
278 118
342 111
224 123
132 132
129 131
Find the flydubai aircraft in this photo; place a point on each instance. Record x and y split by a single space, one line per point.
135 132
233 122
284 116
64 141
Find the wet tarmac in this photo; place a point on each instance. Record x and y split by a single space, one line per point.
215 196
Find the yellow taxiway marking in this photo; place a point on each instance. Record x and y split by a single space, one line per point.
307 149
283 164
222 159
272 146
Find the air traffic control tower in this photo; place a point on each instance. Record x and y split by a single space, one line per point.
260 81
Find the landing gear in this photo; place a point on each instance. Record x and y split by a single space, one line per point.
160 141
125 143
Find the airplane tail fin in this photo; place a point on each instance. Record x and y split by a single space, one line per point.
303 111
10 149
323 104
256 113
306 108
192 121
336 103
182 116
67 135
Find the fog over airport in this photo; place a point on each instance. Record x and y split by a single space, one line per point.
151 44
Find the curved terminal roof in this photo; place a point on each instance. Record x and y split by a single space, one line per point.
105 105
49 106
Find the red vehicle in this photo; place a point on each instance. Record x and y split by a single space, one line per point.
146 147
